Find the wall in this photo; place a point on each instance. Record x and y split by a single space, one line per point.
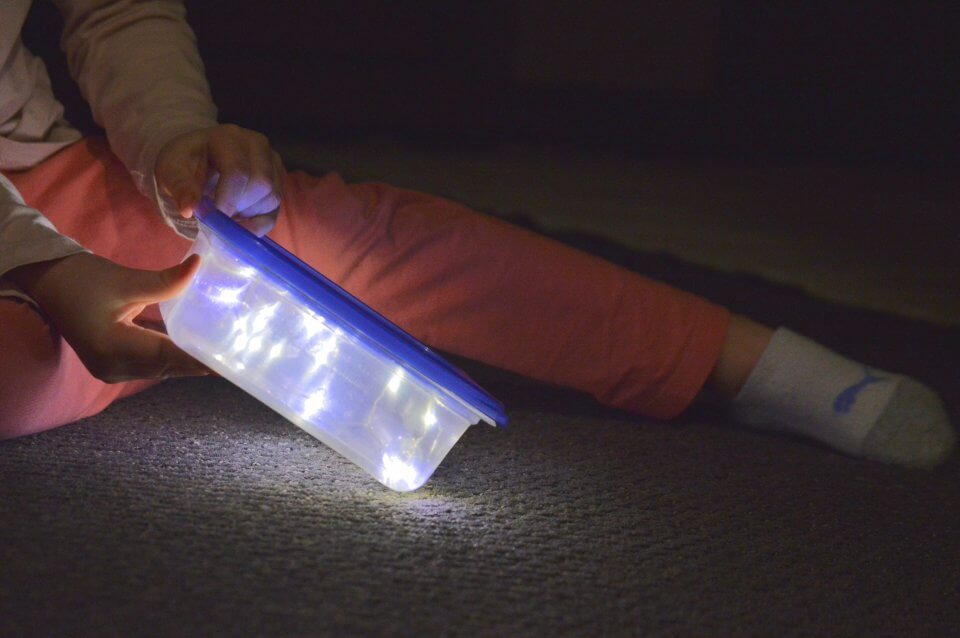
861 80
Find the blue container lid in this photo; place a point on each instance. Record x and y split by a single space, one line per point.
321 293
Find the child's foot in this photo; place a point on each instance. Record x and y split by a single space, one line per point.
802 387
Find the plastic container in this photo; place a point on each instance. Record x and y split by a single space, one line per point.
299 343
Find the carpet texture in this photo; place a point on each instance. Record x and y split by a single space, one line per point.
191 509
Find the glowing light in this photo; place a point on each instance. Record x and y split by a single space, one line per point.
312 325
314 403
322 351
397 473
227 295
275 351
265 334
264 316
240 343
394 385
245 271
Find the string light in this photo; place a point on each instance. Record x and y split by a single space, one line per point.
321 352
275 351
240 343
312 325
257 333
315 403
397 473
394 385
261 319
227 295
247 272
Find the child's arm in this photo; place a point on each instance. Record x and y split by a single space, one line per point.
90 300
138 66
26 236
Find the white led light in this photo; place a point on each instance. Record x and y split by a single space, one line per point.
275 351
240 343
314 403
311 325
245 271
322 351
397 473
394 385
429 418
227 295
262 317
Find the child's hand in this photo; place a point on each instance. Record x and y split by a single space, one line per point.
93 302
236 167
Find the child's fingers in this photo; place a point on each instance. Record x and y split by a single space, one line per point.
261 224
248 170
160 358
229 158
140 353
261 216
183 178
146 354
153 286
257 197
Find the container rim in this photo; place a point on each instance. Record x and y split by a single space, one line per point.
320 292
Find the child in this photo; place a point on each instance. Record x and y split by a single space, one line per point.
459 281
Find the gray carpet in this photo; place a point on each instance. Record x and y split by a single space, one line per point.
193 510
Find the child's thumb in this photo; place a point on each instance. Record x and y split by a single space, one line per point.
183 181
152 286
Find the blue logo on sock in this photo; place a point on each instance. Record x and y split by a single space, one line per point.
845 400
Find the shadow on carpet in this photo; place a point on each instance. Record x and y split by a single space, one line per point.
193 509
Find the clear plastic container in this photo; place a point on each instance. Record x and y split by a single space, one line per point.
303 346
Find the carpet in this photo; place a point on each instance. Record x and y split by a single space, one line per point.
191 509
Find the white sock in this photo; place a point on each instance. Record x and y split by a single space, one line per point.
802 387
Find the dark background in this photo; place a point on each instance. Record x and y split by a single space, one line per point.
848 81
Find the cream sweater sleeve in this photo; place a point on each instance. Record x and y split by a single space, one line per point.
137 64
26 236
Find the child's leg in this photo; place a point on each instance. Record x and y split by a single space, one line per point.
484 289
43 383
479 287
490 291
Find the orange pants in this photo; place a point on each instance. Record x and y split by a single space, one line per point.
457 280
